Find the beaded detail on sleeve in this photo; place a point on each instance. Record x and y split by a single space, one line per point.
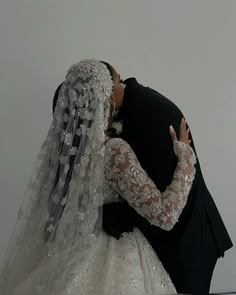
125 175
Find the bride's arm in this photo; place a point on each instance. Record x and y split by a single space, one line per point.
125 174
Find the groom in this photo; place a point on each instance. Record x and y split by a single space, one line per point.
190 250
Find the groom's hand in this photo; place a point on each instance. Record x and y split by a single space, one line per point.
117 219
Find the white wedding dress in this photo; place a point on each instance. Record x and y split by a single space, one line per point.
128 265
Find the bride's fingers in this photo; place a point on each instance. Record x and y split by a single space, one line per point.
184 131
182 125
172 133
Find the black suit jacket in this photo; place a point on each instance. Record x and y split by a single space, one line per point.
147 116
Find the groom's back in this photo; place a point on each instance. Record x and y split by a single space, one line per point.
147 117
200 230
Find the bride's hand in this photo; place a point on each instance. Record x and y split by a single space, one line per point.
183 132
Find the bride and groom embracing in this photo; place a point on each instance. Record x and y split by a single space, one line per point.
114 210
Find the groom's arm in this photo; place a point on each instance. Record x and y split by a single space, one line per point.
120 217
117 219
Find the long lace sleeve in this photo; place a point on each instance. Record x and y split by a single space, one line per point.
124 174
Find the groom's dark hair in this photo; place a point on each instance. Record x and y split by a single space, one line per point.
55 97
109 67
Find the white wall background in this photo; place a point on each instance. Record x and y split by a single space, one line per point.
185 49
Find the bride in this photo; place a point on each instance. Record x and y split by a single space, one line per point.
58 246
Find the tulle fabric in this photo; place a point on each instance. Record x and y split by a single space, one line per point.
125 266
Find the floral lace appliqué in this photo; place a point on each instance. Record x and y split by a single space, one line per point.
125 175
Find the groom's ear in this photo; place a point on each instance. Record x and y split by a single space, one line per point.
55 98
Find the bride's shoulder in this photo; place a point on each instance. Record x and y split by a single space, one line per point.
117 143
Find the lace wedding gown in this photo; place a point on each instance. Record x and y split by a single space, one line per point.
128 265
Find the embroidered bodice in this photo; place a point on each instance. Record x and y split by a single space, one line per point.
125 176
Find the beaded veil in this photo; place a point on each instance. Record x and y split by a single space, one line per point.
62 212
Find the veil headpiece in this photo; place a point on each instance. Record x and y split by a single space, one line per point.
61 215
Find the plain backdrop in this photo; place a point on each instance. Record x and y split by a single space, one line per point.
185 49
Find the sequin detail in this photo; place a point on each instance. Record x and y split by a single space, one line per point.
114 267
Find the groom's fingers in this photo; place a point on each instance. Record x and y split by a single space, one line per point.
172 133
